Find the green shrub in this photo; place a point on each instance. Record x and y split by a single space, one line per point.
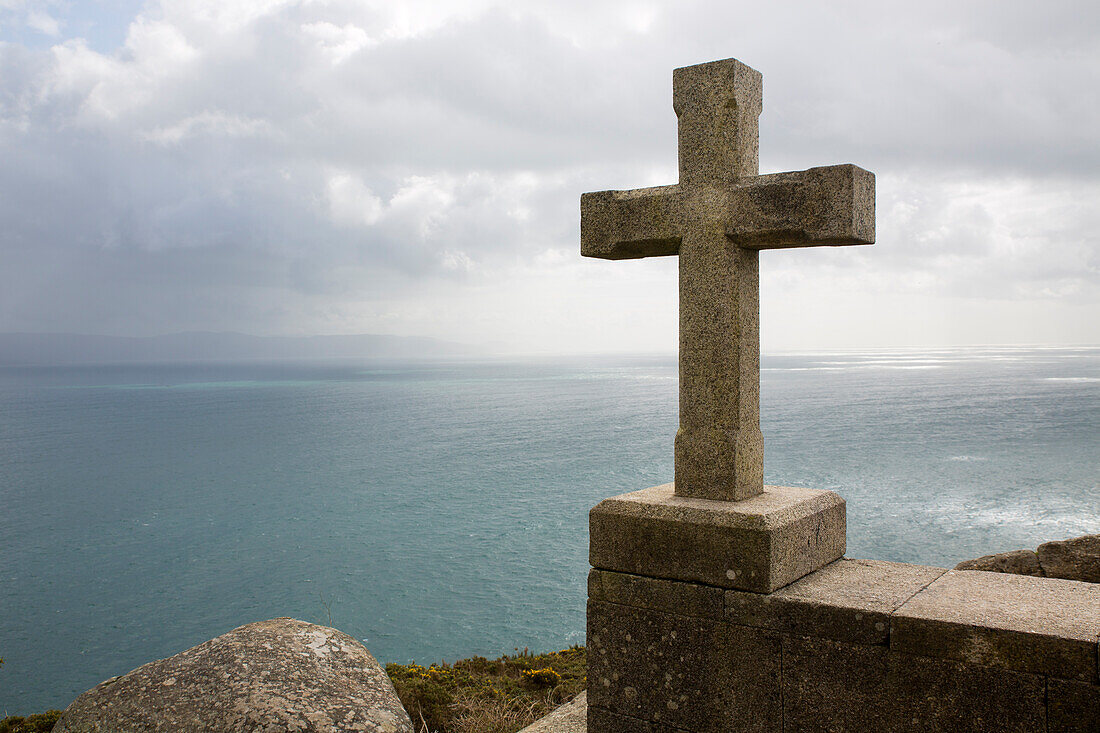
544 677
40 723
478 695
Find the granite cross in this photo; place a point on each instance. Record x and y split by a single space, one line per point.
717 219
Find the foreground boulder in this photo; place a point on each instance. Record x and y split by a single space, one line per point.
278 675
1075 559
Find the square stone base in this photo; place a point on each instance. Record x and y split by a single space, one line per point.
759 544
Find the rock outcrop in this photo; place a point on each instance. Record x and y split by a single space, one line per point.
1017 562
1074 559
278 675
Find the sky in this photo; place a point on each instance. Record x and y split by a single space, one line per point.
414 167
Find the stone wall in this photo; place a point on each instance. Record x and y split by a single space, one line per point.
858 645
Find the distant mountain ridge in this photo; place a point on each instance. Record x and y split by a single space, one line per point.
30 349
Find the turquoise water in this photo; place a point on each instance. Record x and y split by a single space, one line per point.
439 510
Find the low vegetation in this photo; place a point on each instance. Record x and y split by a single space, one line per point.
40 723
478 695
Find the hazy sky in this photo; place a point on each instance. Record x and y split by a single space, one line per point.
414 167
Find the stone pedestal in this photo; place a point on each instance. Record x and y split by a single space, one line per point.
759 544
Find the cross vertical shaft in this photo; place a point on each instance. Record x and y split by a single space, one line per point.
719 451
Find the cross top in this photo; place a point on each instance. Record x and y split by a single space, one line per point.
717 106
717 219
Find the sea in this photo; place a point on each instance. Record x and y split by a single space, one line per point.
437 510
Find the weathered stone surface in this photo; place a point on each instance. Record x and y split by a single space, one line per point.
1041 625
828 205
848 600
605 721
682 672
1076 559
686 599
833 686
572 717
1072 707
759 544
278 675
716 219
1017 562
717 107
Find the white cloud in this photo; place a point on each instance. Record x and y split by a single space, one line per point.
155 58
369 166
351 202
220 17
995 238
456 261
338 42
214 124
43 22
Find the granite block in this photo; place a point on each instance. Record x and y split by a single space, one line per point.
835 686
1072 707
605 721
682 672
686 599
827 206
847 600
760 544
625 225
1041 625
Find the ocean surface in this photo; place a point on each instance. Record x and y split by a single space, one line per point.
438 510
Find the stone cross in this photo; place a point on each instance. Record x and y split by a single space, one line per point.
717 219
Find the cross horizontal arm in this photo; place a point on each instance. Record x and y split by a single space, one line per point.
620 225
828 206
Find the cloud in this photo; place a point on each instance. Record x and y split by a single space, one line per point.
39 16
44 23
277 166
997 239
351 202
338 42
